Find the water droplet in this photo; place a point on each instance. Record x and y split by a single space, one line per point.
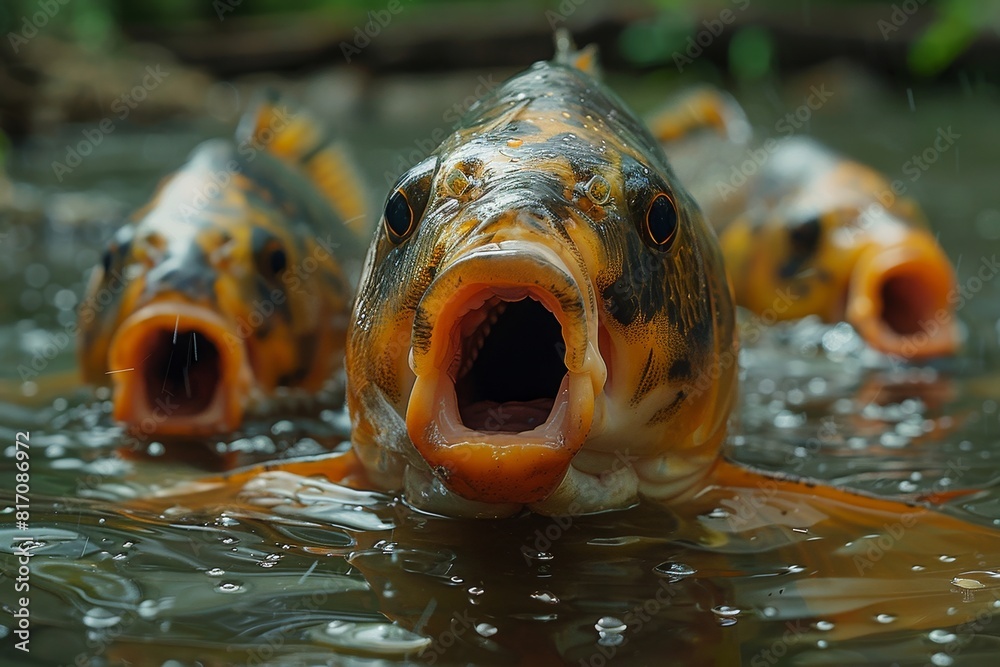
610 624
476 590
941 636
486 630
824 626
906 486
942 660
822 643
718 513
946 559
918 568
215 572
967 584
769 612
155 449
674 570
545 596
726 611
99 618
885 618
230 587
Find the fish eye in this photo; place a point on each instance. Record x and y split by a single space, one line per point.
278 260
406 203
270 255
660 223
805 236
399 217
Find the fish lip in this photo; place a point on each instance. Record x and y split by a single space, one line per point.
503 466
134 342
919 279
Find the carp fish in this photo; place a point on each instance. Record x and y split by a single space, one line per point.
543 322
536 312
806 231
232 281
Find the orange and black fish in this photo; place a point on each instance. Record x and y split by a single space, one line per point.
542 297
544 322
806 231
232 281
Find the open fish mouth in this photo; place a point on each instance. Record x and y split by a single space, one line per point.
507 371
176 372
899 299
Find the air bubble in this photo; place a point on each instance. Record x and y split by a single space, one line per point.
610 624
941 636
230 587
99 618
674 570
485 630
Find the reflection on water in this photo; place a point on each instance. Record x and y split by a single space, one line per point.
294 568
290 569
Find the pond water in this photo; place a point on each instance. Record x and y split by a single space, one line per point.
301 572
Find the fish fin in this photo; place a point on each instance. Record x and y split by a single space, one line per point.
585 59
293 135
342 468
704 107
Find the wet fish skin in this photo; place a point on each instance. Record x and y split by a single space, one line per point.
545 188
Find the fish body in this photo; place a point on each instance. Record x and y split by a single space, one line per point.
807 231
232 281
544 319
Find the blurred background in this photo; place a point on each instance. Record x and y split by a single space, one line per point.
99 99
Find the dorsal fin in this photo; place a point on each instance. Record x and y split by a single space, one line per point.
294 136
584 59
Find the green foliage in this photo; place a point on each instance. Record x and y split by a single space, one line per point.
958 23
751 53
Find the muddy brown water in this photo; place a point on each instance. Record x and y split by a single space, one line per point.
300 572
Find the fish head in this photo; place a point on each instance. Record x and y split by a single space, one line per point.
212 296
846 248
543 320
